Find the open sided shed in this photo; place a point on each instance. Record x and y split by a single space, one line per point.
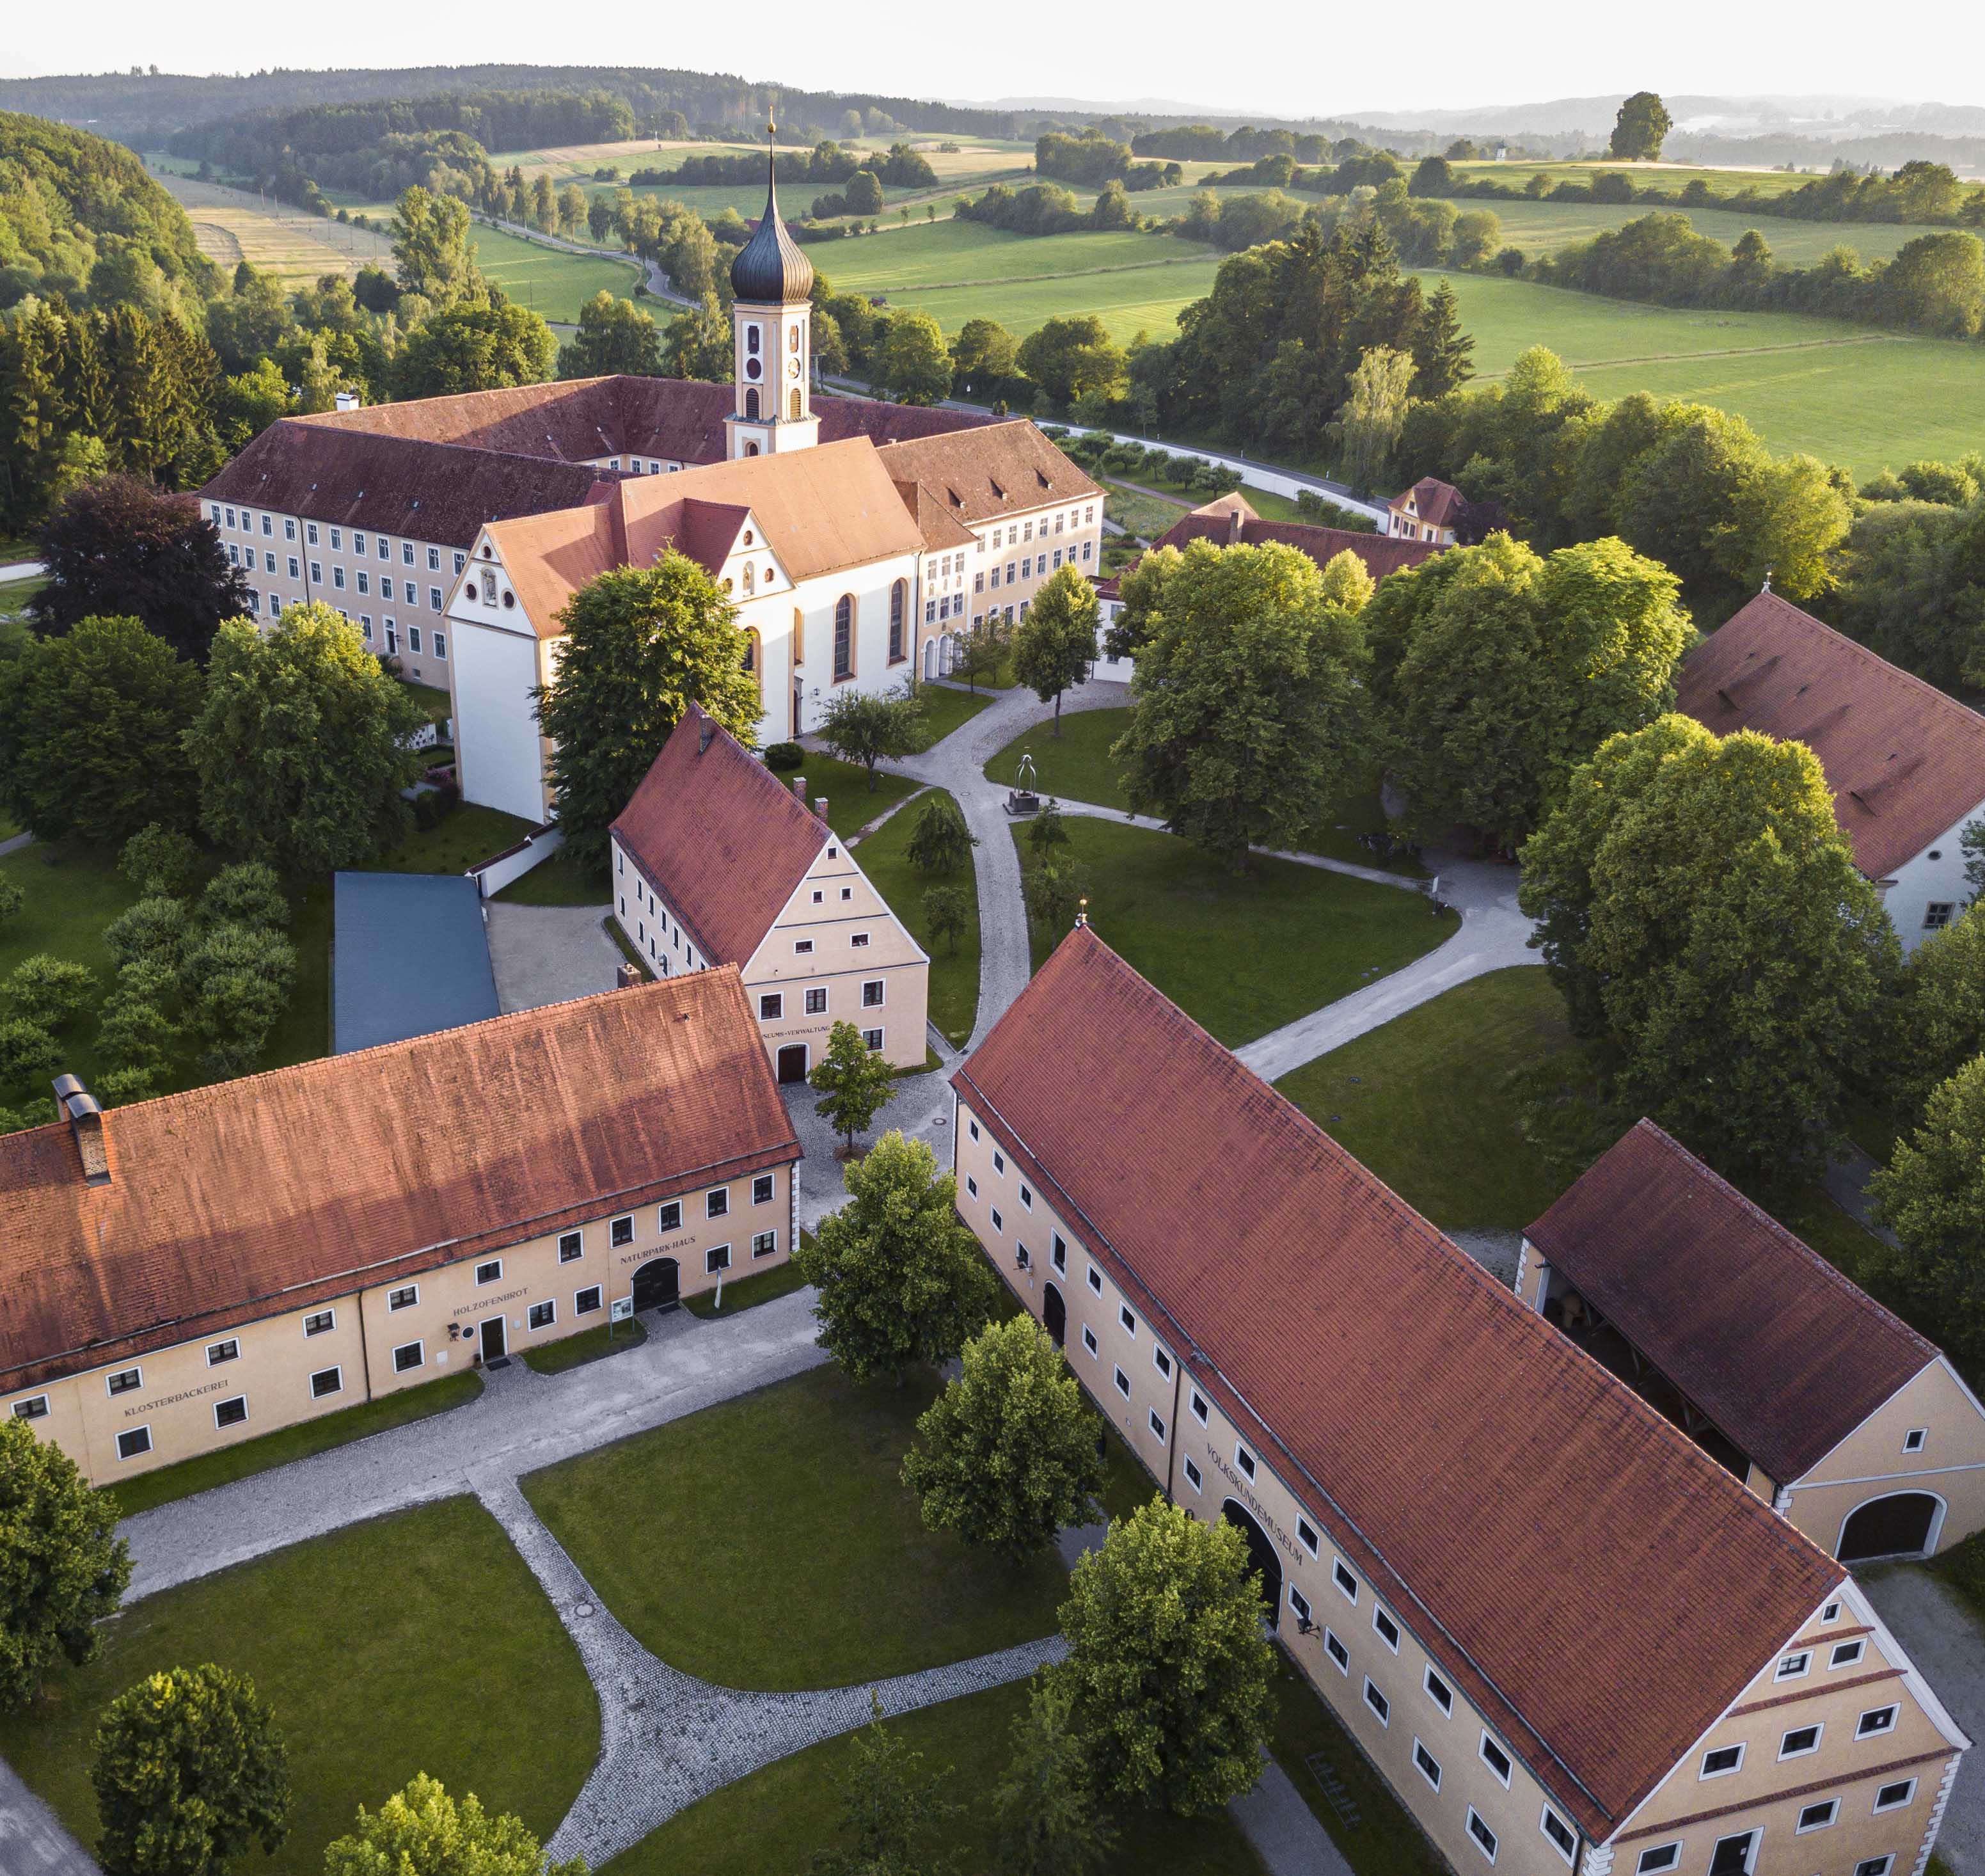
409 955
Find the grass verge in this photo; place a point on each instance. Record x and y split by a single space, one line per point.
792 1499
589 1345
945 710
1312 936
151 1489
746 1292
558 880
885 856
416 1642
851 804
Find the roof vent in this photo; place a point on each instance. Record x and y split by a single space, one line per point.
706 732
1042 480
996 489
86 1123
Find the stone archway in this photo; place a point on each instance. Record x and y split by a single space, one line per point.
1899 1523
1262 1555
657 1284
1054 1315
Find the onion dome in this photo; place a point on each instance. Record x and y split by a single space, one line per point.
770 269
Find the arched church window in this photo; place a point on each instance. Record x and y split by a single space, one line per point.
751 449
843 636
899 599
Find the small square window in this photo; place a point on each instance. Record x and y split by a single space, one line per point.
327 1381
621 1232
1818 1817
542 1314
133 1442
1438 1691
1846 1653
1495 1758
999 1161
490 1273
1378 1702
820 898
1876 1720
716 1259
232 1412
35 1407
971 1186
803 947
1793 1666
1721 1761
1337 1651
1089 1340
1344 1579
1245 1461
1800 1741
1095 1280
404 1298
858 941
716 1202
1157 1427
1299 1602
764 1243
762 1188
1387 1629
1161 1361
873 1040
1027 1197
1306 1535
1430 1766
1123 1383
1563 1839
872 989
587 1301
1193 1476
771 1007
1485 1838
667 1217
572 1244
408 1355
999 1223
816 1001
1893 1797
1873 1866
319 1322
1662 1857
1127 1319
1937 914
1058 1252
974 1126
1198 1405
1831 1612
218 1352
1912 1440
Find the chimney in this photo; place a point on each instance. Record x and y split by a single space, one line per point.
627 976
705 730
1233 526
819 806
347 400
86 1123
799 789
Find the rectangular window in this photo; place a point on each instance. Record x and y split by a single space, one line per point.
1721 1761
858 941
1732 1855
667 1217
587 1301
413 636
433 560
134 1443
408 1355
1123 1383
490 1273
404 1298
1430 1766
621 1232
218 1352
460 561
232 1412
1800 1741
771 1007
337 578
1299 1602
1337 1651
294 570
1388 1630
764 1243
1495 1758
1344 1579
434 603
365 581
1089 1340
1161 1361
1130 1321
1818 1817
816 1002
317 573
761 1189
310 531
1562 1838
999 1161
1662 1857
542 1314
1192 1475
319 1322
1912 1440
971 1185
1845 1654
1794 1666
1893 1797
802 947
288 527
1306 1535
1485 1838
35 1407
1157 1427
1873 1866
1438 1691
716 1259
1198 1404
1877 1719
327 1381
358 543
1378 1702
572 1245
1936 914
871 994
1245 1461
999 1223
1027 1197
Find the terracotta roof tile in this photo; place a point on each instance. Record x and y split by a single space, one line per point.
1231 522
1906 762
1439 504
1599 1586
1777 1348
720 837
990 471
256 1196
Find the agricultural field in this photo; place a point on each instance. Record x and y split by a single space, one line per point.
230 226
547 280
953 253
1543 227
1645 175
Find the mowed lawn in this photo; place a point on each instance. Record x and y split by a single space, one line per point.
770 1542
547 280
1241 956
954 252
884 856
417 1643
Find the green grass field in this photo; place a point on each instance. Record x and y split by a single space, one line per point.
1667 176
1311 937
1543 227
419 1643
951 253
548 281
954 970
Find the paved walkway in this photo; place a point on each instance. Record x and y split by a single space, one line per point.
549 954
15 843
32 1840
1284 1830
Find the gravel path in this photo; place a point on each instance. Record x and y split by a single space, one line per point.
32 1840
549 954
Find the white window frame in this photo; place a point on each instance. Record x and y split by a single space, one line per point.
142 1430
1095 1281
1816 1727
1156 1424
1657 1858
1830 1805
550 1322
1484 1746
1380 1623
1478 1829
614 1239
1244 1460
1376 1702
1345 1578
489 1271
663 1221
1847 1654
31 1407
1198 1406
229 1401
765 1244
579 1305
326 1320
1755 1833
1127 1320
771 1006
1914 1440
1026 1197
1909 1796
1794 1666
1120 1381
1741 1749
872 1040
576 1240
1445 1698
880 986
764 1188
113 1390
1194 1477
1831 1612
227 1349
336 1370
1422 1758
716 1202
420 1360
1089 1341
711 1254
1863 1731
402 1296
1161 1361
1875 1866
1546 1820
1340 1656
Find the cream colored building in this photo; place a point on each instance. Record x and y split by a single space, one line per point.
186 1273
715 862
1829 1408
1567 1639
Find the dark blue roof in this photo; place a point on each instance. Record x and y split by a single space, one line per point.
409 956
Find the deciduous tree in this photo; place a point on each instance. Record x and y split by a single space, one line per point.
1373 413
949 911
854 1081
641 645
1932 1195
190 1770
614 336
1073 356
902 1280
50 992
471 346
940 842
1167 1668
422 1831
889 1806
1050 1820
159 859
866 728
1055 644
1640 130
1009 1453
697 344
911 366
430 248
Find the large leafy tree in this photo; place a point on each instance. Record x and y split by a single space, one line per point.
1167 1668
854 1082
1247 723
614 336
471 346
92 726
866 728
910 365
1050 1820
1641 128
1702 913
1932 1195
430 248
1009 1453
1495 672
302 745
1942 1021
1055 644
62 1565
1072 357
641 645
422 1831
1367 426
118 547
901 1278
190 1770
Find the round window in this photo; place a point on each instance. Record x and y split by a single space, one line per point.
509 599
752 367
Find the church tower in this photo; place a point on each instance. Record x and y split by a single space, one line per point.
771 331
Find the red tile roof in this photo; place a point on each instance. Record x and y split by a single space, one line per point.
1597 1584
1231 522
990 471
255 1197
1775 1344
1906 762
1439 504
720 837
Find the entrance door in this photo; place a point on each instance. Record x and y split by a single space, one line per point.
796 709
792 1062
490 1331
1897 1526
1054 1316
1262 1555
655 1285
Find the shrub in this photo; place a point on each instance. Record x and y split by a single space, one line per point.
154 930
249 894
784 757
49 991
28 1052
135 1035
12 899
160 859
432 806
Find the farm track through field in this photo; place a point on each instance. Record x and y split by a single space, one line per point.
1728 352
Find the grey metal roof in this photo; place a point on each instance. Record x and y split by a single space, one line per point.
409 956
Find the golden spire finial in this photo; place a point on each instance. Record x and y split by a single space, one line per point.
1082 912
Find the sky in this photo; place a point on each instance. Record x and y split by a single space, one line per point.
1272 55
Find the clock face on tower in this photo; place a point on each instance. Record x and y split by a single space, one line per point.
793 369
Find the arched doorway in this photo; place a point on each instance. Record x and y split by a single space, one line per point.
656 1284
1261 1554
1054 1316
930 658
1902 1524
792 1062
